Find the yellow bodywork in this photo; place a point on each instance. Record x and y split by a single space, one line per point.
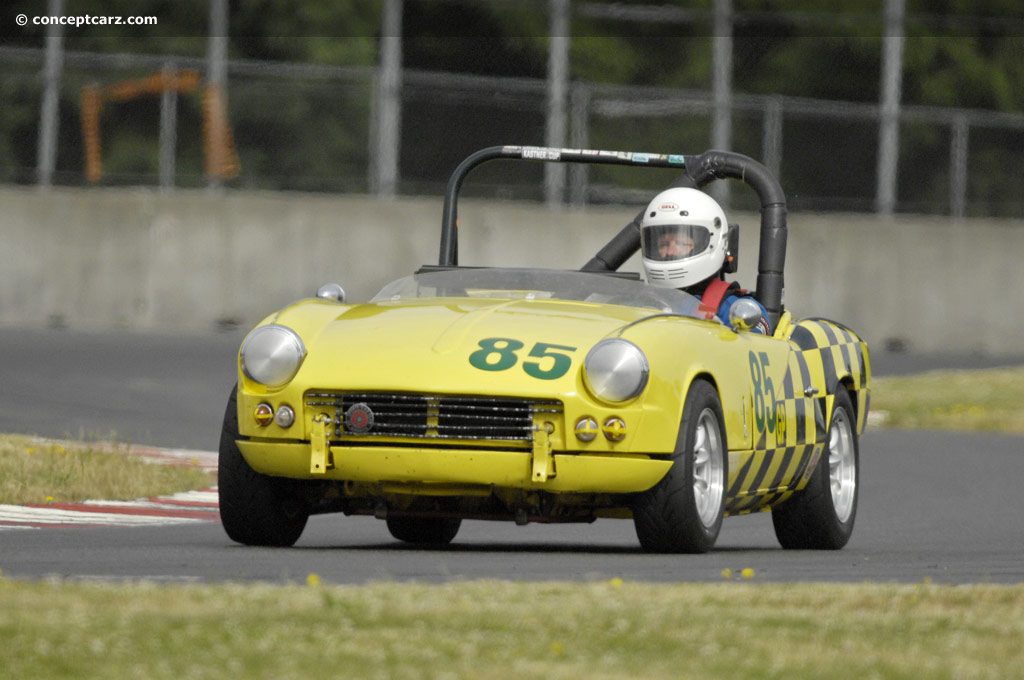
776 395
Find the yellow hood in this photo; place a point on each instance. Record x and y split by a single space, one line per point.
464 345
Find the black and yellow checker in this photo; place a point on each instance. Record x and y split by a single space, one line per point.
825 357
836 355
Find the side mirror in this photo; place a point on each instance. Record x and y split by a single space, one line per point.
744 314
331 291
732 250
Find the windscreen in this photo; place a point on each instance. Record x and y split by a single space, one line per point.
540 284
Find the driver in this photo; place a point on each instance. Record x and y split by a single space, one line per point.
683 243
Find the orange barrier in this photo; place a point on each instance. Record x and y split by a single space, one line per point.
218 142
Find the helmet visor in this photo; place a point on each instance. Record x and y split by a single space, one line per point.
671 242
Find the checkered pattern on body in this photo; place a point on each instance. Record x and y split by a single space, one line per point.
784 456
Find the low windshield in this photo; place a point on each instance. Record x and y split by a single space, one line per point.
540 284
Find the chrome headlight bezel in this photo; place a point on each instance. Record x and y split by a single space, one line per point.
271 355
616 371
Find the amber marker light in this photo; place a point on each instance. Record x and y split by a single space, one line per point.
614 429
263 414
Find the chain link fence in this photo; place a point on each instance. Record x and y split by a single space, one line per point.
306 127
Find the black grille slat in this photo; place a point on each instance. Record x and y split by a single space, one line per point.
423 416
488 419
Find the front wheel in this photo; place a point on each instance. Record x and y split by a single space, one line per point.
821 516
683 512
255 509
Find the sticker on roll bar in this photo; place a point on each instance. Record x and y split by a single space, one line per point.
544 153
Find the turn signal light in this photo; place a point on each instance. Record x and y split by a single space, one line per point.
614 429
263 414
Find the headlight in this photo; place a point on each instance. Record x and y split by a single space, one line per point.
615 370
272 354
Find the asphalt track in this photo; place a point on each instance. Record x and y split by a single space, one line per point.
938 506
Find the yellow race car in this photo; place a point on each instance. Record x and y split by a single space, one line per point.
549 396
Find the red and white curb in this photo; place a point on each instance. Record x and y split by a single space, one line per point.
181 508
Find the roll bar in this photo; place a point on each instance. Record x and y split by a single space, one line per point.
698 171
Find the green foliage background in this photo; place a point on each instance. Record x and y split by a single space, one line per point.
313 134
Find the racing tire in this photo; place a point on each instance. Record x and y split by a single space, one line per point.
255 509
821 516
683 512
424 530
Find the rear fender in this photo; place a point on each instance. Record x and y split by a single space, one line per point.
836 359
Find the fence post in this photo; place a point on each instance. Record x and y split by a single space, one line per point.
958 166
49 121
217 80
579 175
771 148
388 98
889 119
721 86
168 127
558 76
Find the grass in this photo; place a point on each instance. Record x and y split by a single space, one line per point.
981 400
502 630
496 630
40 471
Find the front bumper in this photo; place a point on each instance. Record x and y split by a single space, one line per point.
417 469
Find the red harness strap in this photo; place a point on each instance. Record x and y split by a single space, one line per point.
714 294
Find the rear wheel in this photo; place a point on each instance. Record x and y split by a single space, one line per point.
821 516
255 509
683 512
424 530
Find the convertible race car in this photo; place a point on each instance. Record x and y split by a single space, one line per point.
533 395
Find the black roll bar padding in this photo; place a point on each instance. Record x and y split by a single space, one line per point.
713 165
450 219
699 171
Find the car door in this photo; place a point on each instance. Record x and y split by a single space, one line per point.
783 418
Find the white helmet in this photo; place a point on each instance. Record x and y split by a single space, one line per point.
682 238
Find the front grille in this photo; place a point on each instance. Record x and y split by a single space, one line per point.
423 416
